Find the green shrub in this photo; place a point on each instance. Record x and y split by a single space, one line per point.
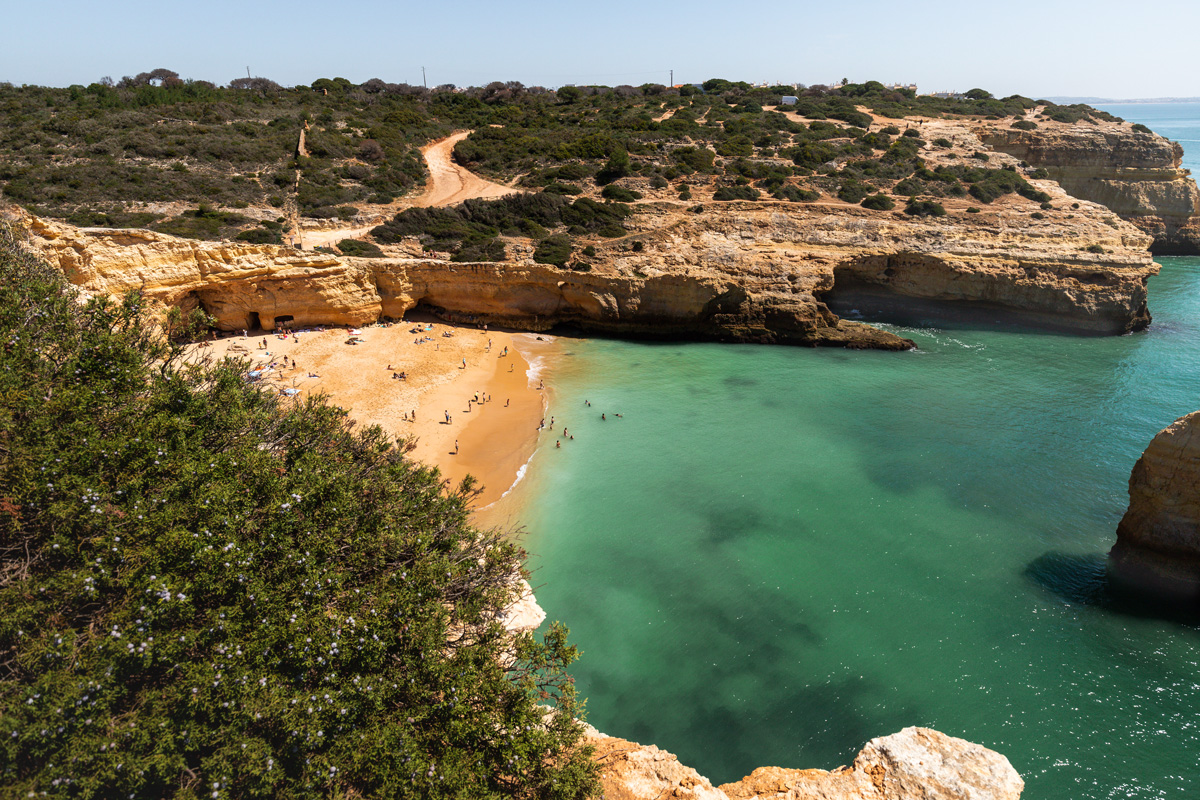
912 133
481 249
925 208
736 193
1140 128
563 188
972 210
978 156
589 251
878 202
554 250
943 143
617 167
1038 215
210 589
1025 125
614 192
346 212
658 182
356 247
259 236
853 191
1095 248
795 194
697 159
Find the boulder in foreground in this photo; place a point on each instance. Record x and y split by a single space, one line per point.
914 764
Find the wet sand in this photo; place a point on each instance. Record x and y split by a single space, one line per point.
495 441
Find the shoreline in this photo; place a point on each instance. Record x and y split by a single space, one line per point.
496 443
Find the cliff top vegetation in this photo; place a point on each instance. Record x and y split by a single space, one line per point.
195 159
210 591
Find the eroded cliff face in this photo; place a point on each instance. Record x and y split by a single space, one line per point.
753 271
1158 541
914 764
1135 174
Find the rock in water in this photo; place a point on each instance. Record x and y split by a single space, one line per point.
1158 541
914 764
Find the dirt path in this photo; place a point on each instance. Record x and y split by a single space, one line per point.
448 182
328 238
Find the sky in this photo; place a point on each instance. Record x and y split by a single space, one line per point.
1038 48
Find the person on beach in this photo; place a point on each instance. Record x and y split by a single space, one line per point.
506 402
558 442
542 424
565 431
603 417
456 447
447 413
510 367
464 366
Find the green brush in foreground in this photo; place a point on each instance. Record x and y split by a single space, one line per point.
205 591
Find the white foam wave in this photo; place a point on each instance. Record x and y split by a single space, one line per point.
520 477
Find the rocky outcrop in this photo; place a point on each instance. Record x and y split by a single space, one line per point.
914 764
1136 175
760 272
1158 540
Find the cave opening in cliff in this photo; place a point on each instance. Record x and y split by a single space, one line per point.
252 321
875 289
284 321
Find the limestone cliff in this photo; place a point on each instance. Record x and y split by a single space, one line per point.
1135 174
1158 540
914 764
752 271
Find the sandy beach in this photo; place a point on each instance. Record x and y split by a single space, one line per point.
467 397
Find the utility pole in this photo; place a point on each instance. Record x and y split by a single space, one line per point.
423 81
672 83
247 72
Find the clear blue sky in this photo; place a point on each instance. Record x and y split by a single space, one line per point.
1033 47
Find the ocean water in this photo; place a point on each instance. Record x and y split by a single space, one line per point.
776 554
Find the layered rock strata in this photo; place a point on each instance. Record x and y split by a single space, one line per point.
914 764
1158 540
1135 174
759 272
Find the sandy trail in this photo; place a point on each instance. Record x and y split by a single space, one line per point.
328 238
448 182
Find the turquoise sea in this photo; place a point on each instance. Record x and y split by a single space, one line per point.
776 554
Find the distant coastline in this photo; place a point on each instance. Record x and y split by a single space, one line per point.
1128 101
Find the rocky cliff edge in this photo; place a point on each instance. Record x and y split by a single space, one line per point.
914 764
742 271
1135 173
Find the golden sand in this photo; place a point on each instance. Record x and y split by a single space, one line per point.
491 440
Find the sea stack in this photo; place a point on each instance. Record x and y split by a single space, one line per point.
1158 541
